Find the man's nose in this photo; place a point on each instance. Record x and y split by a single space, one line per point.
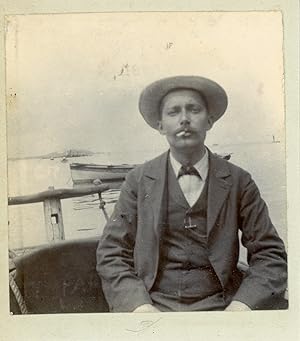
185 117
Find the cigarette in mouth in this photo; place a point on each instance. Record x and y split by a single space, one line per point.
181 133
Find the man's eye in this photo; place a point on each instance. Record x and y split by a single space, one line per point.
196 110
172 113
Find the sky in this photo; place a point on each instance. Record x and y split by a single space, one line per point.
74 80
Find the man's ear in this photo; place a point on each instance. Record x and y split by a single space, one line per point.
160 128
210 123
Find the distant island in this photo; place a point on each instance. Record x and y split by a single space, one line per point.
54 155
68 153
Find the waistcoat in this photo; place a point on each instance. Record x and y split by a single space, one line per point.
184 268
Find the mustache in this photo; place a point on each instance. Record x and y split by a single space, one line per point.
185 128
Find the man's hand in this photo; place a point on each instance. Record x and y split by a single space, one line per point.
146 308
237 306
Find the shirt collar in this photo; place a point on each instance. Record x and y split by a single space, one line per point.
201 165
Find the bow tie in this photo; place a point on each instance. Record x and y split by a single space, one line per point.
188 170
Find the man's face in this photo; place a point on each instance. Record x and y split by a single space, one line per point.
184 119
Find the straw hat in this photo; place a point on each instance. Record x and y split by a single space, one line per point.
151 97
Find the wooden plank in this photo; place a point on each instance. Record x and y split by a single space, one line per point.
62 193
53 220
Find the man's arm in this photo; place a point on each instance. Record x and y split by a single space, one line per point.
267 274
123 289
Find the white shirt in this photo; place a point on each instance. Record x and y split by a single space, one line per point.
192 185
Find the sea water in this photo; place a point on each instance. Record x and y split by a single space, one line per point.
82 217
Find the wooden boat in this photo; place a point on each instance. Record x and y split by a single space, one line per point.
113 175
59 277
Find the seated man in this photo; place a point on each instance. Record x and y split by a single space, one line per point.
172 242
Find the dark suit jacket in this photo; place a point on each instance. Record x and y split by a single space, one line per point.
128 252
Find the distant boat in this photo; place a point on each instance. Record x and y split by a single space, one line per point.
64 159
52 158
113 175
225 156
86 173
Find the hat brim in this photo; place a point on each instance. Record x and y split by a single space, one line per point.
151 97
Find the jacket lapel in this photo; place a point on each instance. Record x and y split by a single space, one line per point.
219 184
155 178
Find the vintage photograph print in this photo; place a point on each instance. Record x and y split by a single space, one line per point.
146 162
